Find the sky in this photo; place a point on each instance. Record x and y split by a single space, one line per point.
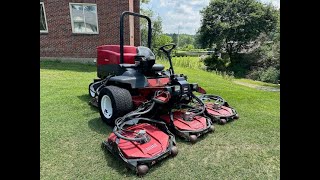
183 16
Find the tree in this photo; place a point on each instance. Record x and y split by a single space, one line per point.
185 40
174 38
235 25
162 39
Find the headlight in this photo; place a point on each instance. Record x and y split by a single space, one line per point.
194 86
176 88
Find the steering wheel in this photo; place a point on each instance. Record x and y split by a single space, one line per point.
167 50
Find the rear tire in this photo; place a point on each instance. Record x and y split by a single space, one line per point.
113 102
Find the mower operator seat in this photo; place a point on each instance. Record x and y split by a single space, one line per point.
149 56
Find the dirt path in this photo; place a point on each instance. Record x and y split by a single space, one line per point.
264 88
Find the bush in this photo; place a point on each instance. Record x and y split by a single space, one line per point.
216 63
254 74
270 75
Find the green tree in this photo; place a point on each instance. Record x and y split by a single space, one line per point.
189 47
185 40
234 25
174 38
162 39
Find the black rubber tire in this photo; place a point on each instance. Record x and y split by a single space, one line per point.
193 139
142 170
121 102
174 151
223 121
212 129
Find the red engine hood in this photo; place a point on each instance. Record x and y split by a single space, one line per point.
159 141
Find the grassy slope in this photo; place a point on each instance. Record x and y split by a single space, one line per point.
71 132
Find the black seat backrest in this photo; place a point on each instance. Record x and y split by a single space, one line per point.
146 52
148 56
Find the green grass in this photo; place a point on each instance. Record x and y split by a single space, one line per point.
186 62
71 132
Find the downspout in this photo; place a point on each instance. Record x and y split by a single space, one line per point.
131 23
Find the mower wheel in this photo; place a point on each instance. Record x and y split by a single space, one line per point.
223 121
212 129
91 90
142 170
193 139
174 151
113 102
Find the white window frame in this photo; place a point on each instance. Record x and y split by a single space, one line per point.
83 4
45 19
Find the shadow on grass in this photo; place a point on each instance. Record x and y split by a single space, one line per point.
98 126
114 162
86 98
199 139
68 66
119 165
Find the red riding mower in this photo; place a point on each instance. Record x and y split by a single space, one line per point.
144 102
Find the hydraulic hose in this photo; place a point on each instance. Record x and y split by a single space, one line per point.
202 107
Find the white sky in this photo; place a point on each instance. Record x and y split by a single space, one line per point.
183 14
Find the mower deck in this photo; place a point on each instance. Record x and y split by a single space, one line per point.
159 146
188 129
220 113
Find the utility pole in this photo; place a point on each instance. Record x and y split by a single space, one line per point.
178 36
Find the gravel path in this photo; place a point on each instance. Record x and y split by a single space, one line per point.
264 88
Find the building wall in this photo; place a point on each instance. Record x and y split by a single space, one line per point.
61 42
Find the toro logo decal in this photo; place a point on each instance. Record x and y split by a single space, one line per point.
151 147
197 125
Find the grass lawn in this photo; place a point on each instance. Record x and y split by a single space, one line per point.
71 132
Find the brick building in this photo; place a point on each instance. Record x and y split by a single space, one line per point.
72 29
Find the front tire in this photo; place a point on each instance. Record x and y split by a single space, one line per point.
113 102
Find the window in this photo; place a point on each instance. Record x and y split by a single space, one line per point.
84 18
43 20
